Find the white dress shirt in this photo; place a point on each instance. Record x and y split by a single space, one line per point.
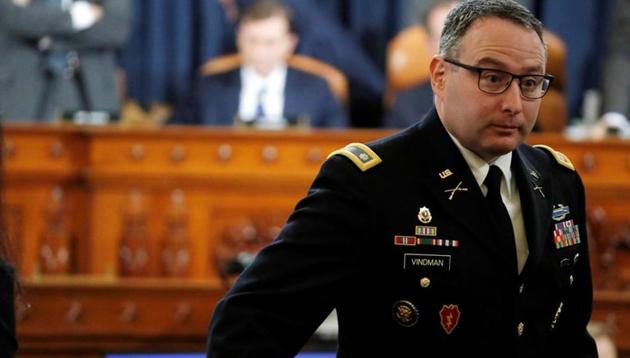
273 99
509 194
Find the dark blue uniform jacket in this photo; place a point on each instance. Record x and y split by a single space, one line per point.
403 287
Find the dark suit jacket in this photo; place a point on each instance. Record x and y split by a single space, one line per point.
616 80
8 343
215 100
26 89
338 250
410 106
324 37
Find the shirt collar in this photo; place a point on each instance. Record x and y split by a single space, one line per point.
480 167
272 82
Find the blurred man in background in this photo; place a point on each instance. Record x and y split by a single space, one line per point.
263 91
411 104
59 57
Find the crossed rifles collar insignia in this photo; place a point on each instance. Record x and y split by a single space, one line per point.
447 173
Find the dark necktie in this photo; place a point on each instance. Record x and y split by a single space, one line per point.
500 214
260 108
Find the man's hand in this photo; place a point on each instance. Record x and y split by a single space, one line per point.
85 14
97 10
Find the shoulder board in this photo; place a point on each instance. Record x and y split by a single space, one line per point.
560 157
360 154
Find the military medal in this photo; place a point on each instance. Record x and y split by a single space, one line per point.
566 234
426 230
401 240
437 242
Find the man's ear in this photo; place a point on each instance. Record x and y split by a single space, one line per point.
293 42
437 68
239 39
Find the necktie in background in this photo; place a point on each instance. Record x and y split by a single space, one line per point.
504 230
260 107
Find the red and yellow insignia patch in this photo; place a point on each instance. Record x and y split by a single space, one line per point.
449 317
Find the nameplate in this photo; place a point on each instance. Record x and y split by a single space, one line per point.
427 262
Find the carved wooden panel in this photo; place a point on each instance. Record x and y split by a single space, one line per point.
240 231
15 232
94 315
200 202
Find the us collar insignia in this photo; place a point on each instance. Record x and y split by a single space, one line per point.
445 173
455 190
424 215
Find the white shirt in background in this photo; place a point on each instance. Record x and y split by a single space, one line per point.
272 100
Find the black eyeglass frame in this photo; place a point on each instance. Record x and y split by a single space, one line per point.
479 70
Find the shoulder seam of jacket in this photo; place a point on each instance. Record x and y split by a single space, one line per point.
561 158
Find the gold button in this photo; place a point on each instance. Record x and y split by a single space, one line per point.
425 282
576 257
520 328
521 288
571 280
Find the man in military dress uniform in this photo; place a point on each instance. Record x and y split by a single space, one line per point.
449 239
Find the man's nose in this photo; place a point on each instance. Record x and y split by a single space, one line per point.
512 99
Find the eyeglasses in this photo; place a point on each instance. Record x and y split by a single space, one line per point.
496 81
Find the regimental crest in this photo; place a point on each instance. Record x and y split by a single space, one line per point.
449 317
424 215
405 313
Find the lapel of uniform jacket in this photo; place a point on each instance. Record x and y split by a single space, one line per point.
231 98
534 188
448 177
